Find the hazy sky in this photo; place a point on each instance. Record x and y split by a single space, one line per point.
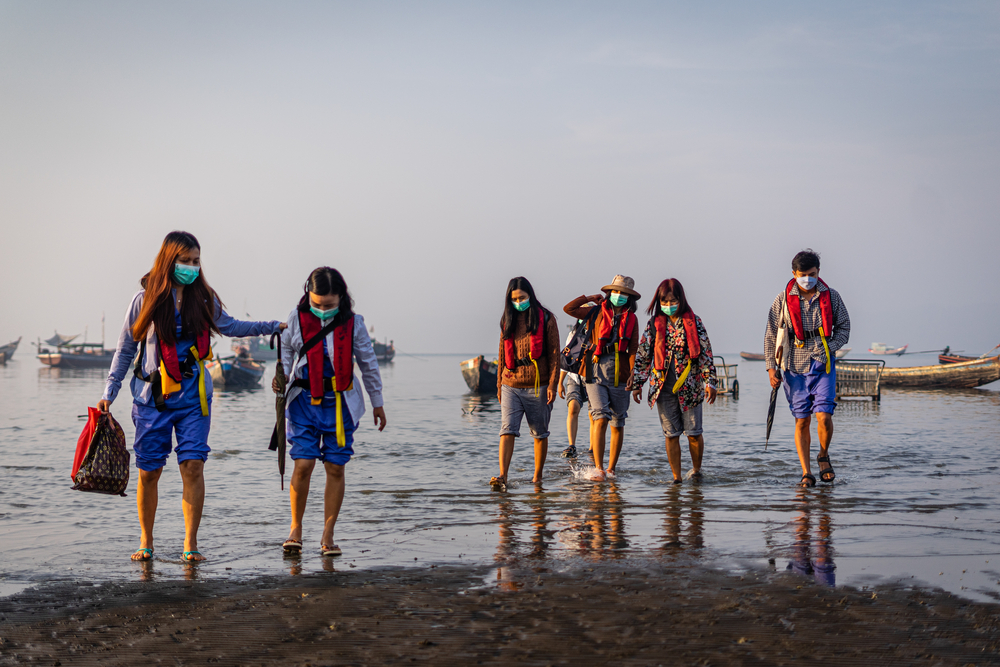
432 151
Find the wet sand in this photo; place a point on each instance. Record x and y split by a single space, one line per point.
540 613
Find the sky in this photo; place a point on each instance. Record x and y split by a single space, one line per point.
432 151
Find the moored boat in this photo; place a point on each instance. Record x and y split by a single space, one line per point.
384 351
954 358
235 372
882 348
964 374
751 356
480 375
842 352
256 347
74 355
9 349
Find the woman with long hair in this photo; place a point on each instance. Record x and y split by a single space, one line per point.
170 324
675 355
607 366
527 376
324 404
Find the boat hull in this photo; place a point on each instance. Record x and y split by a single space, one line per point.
64 360
235 373
954 358
480 375
751 356
9 349
961 375
384 352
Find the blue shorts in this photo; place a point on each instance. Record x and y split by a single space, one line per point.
153 429
312 430
815 391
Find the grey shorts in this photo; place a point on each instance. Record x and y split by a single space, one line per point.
575 389
672 420
517 403
608 402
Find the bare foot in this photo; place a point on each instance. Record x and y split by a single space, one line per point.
598 475
610 474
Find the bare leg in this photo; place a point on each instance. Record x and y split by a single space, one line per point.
506 453
674 456
696 445
332 499
824 429
146 497
572 421
298 493
617 438
803 442
192 502
541 450
598 432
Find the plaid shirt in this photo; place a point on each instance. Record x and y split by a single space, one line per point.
800 358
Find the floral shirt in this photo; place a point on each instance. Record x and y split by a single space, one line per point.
692 393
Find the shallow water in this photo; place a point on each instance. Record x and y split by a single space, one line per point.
914 499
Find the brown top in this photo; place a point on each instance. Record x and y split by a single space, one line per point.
548 366
578 310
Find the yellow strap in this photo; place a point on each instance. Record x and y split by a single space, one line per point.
202 394
826 347
682 378
341 435
616 367
537 390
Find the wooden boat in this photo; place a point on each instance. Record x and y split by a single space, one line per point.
954 358
964 374
255 347
882 348
9 349
480 375
751 356
235 372
384 351
74 355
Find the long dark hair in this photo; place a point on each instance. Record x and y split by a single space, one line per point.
669 286
197 306
325 281
510 314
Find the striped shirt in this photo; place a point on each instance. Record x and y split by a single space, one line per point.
800 358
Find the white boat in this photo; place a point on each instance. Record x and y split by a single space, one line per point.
882 348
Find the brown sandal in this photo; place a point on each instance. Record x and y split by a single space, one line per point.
330 550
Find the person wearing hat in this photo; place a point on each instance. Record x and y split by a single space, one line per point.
614 339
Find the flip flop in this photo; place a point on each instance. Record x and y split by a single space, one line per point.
330 550
143 553
829 471
807 481
187 556
498 484
292 546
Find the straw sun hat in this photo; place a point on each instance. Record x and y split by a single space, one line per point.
622 284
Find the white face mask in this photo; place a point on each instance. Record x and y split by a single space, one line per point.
806 282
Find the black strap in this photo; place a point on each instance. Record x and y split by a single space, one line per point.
302 383
309 344
153 379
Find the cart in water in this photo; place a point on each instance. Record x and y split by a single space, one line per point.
726 382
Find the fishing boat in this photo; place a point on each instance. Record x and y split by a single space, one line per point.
964 374
68 354
946 358
8 350
255 347
384 351
480 375
882 348
751 356
842 352
235 372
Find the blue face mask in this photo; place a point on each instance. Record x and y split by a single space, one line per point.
522 306
806 282
669 310
618 299
186 274
323 314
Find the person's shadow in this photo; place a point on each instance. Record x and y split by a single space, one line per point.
812 549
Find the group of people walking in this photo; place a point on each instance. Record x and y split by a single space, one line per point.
606 360
169 323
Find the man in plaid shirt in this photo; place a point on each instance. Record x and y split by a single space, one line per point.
807 324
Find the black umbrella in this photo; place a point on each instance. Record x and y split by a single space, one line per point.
278 435
770 409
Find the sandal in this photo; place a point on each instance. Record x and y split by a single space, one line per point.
569 452
330 550
292 546
142 554
823 474
808 481
498 484
188 556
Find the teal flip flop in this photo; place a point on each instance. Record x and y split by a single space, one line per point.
188 554
143 554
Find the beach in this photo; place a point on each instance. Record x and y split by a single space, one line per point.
671 611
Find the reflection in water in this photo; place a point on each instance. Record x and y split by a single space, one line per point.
601 531
507 548
473 403
541 536
676 537
812 552
293 561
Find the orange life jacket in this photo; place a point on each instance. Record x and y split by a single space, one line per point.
343 360
168 355
626 329
537 343
690 335
795 310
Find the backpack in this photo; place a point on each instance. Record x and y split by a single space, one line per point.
576 347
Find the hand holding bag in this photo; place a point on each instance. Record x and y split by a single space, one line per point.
101 464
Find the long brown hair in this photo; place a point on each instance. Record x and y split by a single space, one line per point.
669 286
197 307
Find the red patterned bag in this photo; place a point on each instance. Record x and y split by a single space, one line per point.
101 464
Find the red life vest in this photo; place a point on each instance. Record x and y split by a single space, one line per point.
690 335
535 350
795 310
168 354
626 329
343 359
